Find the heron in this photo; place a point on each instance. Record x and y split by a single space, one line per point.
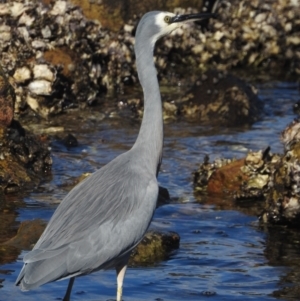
105 216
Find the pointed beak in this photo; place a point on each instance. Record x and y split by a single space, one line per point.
192 17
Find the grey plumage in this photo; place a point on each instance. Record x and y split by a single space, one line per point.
105 216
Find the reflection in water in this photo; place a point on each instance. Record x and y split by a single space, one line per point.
283 249
224 254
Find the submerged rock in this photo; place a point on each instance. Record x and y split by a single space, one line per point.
28 234
155 246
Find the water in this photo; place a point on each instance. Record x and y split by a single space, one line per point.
224 254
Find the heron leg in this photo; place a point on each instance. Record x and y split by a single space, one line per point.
121 270
69 289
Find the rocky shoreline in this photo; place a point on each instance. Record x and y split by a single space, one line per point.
58 59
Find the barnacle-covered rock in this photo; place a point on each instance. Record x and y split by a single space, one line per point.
260 36
154 247
7 100
238 179
23 158
260 175
55 55
223 99
283 199
84 59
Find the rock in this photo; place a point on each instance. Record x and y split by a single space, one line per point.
261 175
163 196
28 234
222 99
70 141
283 199
24 157
85 59
227 179
154 247
6 100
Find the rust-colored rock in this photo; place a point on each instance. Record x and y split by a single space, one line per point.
7 100
227 179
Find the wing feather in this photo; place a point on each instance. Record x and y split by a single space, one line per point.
99 221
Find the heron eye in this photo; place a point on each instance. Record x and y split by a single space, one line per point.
167 19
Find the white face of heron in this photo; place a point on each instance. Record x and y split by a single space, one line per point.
163 21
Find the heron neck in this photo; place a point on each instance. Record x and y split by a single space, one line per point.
150 137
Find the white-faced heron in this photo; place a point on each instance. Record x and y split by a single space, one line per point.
105 216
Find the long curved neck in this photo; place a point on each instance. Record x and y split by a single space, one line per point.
150 137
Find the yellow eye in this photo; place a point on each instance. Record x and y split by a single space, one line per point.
167 19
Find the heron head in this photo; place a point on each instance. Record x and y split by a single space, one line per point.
156 24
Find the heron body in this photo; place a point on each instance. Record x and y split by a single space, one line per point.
105 216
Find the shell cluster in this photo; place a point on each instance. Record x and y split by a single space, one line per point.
258 35
261 175
57 58
283 198
241 179
205 171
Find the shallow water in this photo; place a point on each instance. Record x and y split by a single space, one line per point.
224 254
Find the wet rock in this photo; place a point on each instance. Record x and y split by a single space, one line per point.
239 179
227 179
70 141
281 249
28 234
283 199
23 158
273 178
9 204
223 99
154 247
6 100
163 196
72 183
8 254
